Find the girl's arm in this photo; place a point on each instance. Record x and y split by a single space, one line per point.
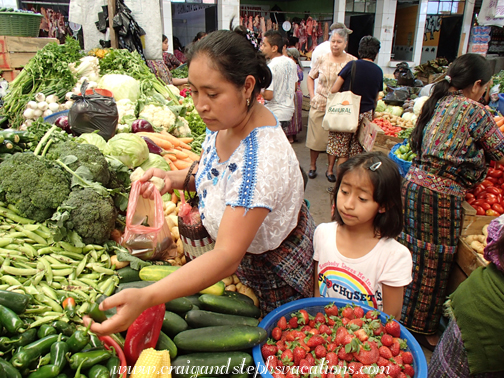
393 300
337 85
194 276
316 290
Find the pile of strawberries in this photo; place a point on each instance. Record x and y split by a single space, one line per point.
358 343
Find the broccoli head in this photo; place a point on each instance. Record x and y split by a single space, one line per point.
91 215
87 155
34 185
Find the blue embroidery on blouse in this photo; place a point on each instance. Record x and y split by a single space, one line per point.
215 181
215 172
209 176
232 167
207 166
249 171
202 216
204 193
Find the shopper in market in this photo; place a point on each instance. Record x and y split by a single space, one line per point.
280 93
296 125
170 60
472 344
454 138
367 83
326 69
249 184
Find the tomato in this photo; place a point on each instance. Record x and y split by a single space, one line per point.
491 198
482 195
469 196
498 208
478 189
487 183
491 213
500 181
494 190
479 210
492 163
471 201
494 173
479 202
493 180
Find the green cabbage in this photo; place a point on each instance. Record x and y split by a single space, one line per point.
155 161
394 110
380 106
121 86
130 149
95 140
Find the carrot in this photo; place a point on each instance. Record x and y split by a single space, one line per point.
498 118
174 140
170 163
181 164
164 144
170 156
501 129
500 123
186 140
192 155
174 198
177 153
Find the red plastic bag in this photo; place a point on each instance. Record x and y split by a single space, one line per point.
147 235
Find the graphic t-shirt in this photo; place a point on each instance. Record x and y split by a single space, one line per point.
283 85
359 280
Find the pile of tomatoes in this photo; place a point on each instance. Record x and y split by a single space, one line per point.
387 127
487 197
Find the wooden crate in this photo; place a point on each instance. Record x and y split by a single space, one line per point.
15 52
471 221
384 143
429 79
9 75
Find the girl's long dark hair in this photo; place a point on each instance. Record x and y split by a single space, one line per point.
464 72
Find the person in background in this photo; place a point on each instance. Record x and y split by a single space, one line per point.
368 82
366 207
454 138
199 36
296 125
177 50
326 69
280 93
170 60
248 179
472 344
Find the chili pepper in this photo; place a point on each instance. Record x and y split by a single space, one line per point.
77 373
79 340
58 353
6 343
111 343
96 314
113 365
46 330
119 339
10 320
94 341
45 360
63 375
25 338
32 351
98 371
143 333
64 328
69 306
10 371
92 358
46 371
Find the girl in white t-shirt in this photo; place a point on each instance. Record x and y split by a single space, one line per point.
356 256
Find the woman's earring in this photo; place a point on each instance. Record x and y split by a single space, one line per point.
248 102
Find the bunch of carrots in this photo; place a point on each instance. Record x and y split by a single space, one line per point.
177 151
500 123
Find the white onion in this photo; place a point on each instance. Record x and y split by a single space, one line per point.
29 113
68 104
51 99
47 113
39 97
37 113
54 107
68 96
42 105
29 122
32 105
23 127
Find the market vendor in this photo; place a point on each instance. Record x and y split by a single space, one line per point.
249 184
454 138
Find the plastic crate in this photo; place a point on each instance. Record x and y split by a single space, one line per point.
20 24
53 117
314 305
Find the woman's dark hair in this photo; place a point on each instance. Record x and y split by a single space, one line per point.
386 182
368 47
275 38
198 36
463 73
176 44
164 38
235 57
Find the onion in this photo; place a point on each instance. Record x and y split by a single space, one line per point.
39 97
42 105
54 107
29 113
32 105
47 113
62 123
51 99
68 96
68 104
141 125
29 122
37 113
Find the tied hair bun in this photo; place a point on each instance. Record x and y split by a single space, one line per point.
244 32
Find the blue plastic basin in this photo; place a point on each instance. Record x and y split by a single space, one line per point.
53 117
314 305
501 103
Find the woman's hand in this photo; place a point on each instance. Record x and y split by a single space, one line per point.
148 188
129 303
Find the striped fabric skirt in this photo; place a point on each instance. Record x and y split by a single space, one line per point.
284 274
296 125
432 225
450 357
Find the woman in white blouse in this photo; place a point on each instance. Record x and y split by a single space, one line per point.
249 184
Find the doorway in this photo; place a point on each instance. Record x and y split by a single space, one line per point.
361 25
449 37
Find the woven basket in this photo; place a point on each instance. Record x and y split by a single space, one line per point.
195 239
20 24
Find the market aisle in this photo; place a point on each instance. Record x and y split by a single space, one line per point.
316 190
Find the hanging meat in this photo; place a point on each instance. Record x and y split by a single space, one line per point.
269 24
302 36
326 31
314 35
250 24
262 28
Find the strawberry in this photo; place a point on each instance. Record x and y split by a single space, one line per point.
358 312
378 331
304 367
345 321
395 348
320 318
330 322
287 356
278 375
320 351
387 340
341 332
276 333
314 331
360 375
402 375
271 363
342 355
281 345
310 359
331 347
312 323
332 359
372 314
298 335
358 322
398 360
393 370
268 350
361 334
354 367
385 352
303 317
325 329
331 310
290 374
299 353
306 328
282 323
293 322
368 353
380 376
315 340
347 312
407 358
290 336
393 327
408 370
348 339
382 362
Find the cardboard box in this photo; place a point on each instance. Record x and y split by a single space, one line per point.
368 133
15 52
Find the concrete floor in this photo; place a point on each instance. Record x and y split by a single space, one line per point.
316 189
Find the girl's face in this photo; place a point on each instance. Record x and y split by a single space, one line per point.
219 102
338 44
355 202
165 45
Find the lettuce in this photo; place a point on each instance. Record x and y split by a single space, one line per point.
380 106
155 161
130 149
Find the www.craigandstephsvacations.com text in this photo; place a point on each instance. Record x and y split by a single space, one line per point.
256 371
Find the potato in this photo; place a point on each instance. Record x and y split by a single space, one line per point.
169 222
169 207
172 262
180 247
183 260
235 279
485 230
174 218
175 233
477 246
469 239
231 288
118 264
228 280
178 261
238 286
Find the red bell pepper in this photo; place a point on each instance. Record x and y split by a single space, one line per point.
143 333
110 343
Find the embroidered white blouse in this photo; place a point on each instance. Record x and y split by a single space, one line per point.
262 172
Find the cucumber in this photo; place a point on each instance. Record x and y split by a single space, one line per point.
194 308
173 324
165 343
128 274
216 289
15 301
236 295
156 272
185 366
133 285
199 319
194 299
227 305
220 338
179 305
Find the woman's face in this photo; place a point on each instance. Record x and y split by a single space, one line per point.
338 44
165 45
219 102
